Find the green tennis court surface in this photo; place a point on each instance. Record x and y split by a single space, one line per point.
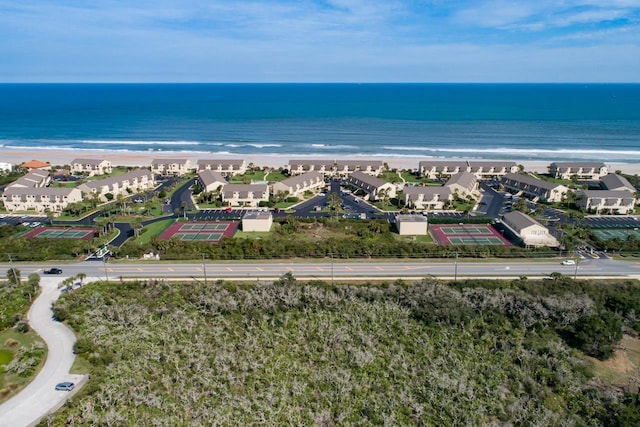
480 240
212 237
609 234
69 233
207 226
465 230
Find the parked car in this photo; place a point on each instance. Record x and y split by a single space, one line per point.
53 270
568 262
65 386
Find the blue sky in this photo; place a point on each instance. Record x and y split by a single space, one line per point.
319 41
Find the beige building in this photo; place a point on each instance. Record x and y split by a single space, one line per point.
373 187
429 198
91 167
30 192
489 169
210 181
527 229
411 225
369 167
131 182
463 183
226 167
257 221
171 167
606 201
37 178
436 169
534 188
245 194
582 170
40 199
298 184
325 167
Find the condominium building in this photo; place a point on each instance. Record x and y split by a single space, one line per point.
534 188
91 167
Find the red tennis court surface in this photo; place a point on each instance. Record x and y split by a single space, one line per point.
84 233
466 234
200 231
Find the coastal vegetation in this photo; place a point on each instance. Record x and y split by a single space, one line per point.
22 352
476 352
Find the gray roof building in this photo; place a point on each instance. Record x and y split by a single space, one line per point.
616 182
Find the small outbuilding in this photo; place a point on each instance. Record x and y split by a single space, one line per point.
411 225
257 221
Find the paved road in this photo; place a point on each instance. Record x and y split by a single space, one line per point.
40 398
326 269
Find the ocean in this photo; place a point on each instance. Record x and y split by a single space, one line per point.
541 122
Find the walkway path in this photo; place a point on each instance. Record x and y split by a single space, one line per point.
40 398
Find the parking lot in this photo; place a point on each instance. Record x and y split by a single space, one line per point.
26 220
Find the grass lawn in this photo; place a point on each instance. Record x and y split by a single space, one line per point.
154 230
252 235
390 176
252 176
410 177
31 351
276 176
285 205
463 206
80 366
422 239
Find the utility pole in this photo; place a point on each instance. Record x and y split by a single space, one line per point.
13 270
331 268
575 273
455 268
104 263
204 268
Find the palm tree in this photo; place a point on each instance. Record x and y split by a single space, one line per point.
136 223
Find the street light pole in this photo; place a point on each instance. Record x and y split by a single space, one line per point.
575 273
204 268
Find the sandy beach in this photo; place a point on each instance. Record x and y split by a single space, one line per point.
144 158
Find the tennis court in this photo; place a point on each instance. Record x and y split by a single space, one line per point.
84 233
467 235
608 234
200 231
204 226
480 240
213 237
482 230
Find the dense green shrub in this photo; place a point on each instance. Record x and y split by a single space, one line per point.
597 335
309 354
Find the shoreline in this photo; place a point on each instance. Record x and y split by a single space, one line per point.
144 158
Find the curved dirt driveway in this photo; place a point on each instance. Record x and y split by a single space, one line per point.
39 398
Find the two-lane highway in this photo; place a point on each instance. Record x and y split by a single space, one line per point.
327 268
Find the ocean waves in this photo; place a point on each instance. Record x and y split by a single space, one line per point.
514 122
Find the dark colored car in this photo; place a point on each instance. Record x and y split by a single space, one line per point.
65 386
53 270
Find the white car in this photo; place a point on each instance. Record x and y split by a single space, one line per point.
568 262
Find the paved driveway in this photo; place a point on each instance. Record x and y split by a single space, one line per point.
40 398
